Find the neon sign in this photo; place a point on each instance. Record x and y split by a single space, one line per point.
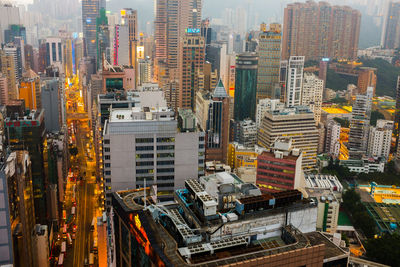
192 30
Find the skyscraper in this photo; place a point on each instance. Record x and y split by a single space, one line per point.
246 86
218 125
366 78
191 62
294 81
391 31
397 112
359 124
29 90
8 70
332 143
129 17
18 222
311 95
380 139
297 123
319 30
90 12
28 132
3 89
173 19
269 55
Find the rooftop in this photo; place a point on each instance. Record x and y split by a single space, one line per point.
323 181
141 114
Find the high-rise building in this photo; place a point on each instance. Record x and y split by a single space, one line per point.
294 81
3 89
161 153
55 53
40 244
29 90
269 57
396 128
9 15
316 31
380 139
246 86
217 131
8 70
28 132
191 62
366 78
145 71
264 105
254 218
332 141
103 39
51 97
297 123
18 220
311 96
323 69
129 17
90 12
391 33
280 168
173 20
359 124
245 133
15 52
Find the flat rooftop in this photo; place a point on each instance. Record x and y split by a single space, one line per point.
141 114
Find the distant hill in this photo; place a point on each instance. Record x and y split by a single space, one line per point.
386 77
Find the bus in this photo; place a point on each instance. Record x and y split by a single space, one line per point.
73 211
63 247
95 245
93 223
91 259
69 239
61 260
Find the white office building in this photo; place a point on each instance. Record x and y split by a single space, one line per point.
144 145
264 105
294 81
380 139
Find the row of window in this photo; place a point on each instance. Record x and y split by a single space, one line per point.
152 170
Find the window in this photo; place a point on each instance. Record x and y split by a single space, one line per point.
144 156
167 162
144 140
145 163
107 157
106 149
107 172
201 146
166 139
107 165
165 178
144 148
165 185
106 141
108 180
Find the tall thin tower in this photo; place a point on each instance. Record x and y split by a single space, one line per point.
90 12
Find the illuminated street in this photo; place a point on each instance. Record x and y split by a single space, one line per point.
83 168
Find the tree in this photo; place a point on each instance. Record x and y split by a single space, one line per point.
375 116
384 249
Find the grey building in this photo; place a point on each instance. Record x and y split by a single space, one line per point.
246 133
51 104
359 124
144 145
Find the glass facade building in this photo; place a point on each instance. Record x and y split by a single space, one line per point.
246 86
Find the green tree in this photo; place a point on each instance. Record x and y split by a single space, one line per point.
375 116
384 249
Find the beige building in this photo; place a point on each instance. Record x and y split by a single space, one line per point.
297 123
312 93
